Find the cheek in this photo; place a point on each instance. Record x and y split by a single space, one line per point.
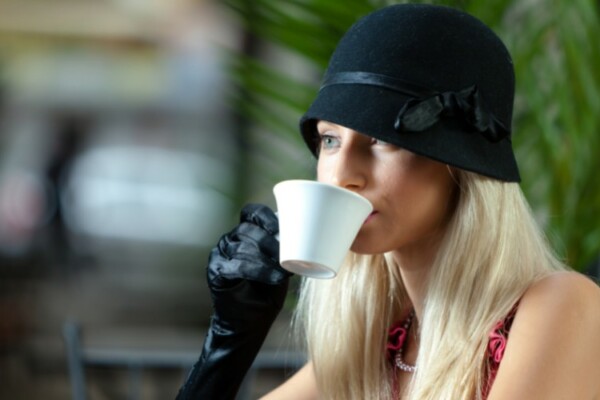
319 175
321 171
421 200
428 206
432 206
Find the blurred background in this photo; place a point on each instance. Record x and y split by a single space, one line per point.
132 132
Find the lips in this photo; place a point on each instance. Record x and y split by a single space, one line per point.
370 216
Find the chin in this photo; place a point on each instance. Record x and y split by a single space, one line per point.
363 247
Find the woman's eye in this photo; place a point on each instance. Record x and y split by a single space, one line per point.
328 141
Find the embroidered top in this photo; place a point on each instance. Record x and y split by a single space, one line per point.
495 350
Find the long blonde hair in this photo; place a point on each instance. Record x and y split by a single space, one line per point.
492 251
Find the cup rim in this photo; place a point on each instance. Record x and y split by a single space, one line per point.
326 185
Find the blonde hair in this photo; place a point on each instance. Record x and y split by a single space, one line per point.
492 251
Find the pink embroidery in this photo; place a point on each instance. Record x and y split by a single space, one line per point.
396 337
497 343
496 346
495 351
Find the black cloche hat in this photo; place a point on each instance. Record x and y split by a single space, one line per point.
431 79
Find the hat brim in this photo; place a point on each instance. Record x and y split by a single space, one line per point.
372 110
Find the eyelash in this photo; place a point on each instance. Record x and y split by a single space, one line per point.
323 138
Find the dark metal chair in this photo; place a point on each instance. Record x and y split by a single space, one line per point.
135 360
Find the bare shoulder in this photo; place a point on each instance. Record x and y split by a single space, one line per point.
553 347
565 303
566 291
569 281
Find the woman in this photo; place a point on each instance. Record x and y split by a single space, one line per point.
450 291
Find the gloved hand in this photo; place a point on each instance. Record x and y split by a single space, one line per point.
248 288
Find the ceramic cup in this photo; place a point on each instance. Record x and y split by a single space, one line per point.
317 224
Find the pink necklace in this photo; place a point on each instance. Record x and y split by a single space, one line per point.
398 360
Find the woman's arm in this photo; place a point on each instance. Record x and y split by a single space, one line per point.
553 350
248 288
301 386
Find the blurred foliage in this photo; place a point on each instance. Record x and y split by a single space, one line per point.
554 44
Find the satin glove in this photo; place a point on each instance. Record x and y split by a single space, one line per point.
248 289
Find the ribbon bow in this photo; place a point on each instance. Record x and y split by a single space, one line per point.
418 115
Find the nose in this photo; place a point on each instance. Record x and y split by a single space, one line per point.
348 167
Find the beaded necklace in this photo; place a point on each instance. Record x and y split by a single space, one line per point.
398 360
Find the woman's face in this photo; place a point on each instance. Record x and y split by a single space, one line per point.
411 195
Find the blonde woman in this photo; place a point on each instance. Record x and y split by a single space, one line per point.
450 290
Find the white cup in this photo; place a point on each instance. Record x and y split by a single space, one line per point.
317 224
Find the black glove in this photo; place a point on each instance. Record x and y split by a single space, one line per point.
248 288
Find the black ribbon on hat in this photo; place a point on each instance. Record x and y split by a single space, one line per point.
418 115
428 107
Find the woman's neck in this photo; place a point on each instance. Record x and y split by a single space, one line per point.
415 264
